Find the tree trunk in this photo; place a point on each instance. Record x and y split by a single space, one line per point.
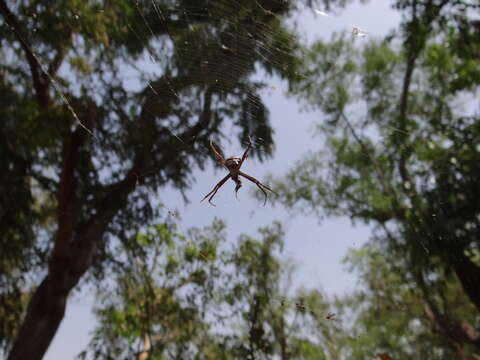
44 314
73 251
47 306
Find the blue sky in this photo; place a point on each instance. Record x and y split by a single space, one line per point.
317 248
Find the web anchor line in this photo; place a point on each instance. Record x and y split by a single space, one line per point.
55 85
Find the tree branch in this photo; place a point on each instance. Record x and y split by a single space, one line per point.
115 195
73 254
41 88
459 332
55 64
66 199
419 31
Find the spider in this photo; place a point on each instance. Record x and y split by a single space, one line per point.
233 165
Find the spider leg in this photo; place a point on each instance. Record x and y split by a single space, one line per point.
259 185
238 186
215 189
245 154
219 157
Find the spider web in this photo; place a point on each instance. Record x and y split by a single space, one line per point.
162 52
165 58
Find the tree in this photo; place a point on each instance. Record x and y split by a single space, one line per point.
192 297
161 296
389 313
400 149
83 150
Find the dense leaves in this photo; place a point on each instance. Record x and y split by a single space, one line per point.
102 103
219 302
392 314
401 134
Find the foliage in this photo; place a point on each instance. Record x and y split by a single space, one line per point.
245 311
156 302
390 314
85 143
103 103
239 310
401 133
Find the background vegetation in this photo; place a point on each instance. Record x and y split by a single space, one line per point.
84 146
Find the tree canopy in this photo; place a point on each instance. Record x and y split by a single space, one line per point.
401 131
106 102
102 102
189 296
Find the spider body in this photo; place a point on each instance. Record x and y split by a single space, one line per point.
233 165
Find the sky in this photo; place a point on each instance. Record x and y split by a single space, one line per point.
316 247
